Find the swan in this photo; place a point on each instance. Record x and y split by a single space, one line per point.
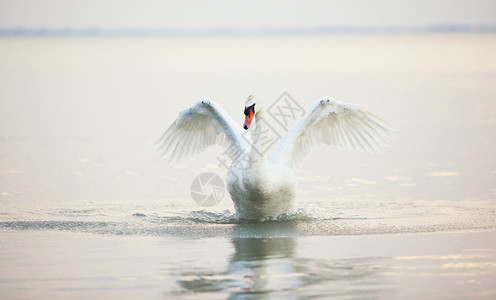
263 186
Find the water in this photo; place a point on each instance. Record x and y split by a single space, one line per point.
89 209
168 218
136 249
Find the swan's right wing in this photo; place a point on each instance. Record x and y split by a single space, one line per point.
331 122
199 127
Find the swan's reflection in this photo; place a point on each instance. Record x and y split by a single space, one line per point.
260 264
266 266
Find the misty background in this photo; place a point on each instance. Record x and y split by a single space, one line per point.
247 16
81 108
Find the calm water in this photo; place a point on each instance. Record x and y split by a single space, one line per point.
90 210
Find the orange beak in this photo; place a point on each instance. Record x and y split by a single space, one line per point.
248 120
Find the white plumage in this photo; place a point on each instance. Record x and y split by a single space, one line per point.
264 186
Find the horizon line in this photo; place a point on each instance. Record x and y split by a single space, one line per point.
90 31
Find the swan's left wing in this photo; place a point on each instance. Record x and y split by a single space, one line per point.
331 122
202 125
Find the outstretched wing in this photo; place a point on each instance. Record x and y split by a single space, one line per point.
331 122
199 127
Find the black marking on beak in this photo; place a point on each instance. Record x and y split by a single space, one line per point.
247 110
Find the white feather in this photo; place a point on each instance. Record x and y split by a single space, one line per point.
202 125
332 122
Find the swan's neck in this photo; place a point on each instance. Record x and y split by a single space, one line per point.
260 136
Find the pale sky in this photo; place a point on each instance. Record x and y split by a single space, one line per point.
244 15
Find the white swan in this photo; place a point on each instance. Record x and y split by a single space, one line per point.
264 186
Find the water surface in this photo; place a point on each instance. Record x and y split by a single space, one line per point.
89 209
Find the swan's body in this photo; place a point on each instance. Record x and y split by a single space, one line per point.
263 185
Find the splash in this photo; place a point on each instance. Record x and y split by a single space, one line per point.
312 213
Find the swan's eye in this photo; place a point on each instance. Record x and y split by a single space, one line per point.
247 110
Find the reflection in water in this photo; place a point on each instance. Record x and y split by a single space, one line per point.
264 267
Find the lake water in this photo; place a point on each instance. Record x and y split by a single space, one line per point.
90 210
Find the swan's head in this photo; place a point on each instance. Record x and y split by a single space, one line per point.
252 107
